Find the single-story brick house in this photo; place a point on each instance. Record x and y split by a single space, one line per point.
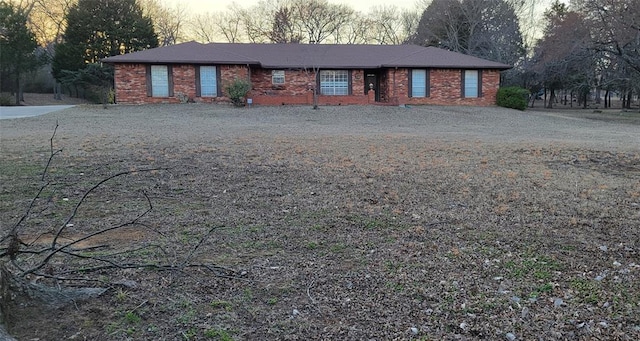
290 73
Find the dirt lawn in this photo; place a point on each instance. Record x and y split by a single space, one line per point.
344 223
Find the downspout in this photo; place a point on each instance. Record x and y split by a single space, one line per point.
249 99
395 92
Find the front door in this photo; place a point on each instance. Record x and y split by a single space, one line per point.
371 82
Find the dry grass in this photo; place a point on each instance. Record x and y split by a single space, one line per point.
350 223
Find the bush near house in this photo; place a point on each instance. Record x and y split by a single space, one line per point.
238 90
512 97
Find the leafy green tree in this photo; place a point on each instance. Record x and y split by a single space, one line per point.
17 46
95 77
101 28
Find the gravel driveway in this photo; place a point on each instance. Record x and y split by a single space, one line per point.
29 111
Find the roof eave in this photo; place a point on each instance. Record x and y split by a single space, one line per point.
452 66
319 66
180 61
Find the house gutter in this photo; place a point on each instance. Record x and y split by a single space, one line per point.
395 91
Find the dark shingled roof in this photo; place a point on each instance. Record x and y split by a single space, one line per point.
324 56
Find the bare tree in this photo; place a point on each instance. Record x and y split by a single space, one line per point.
410 20
284 27
257 21
381 25
319 19
615 28
529 15
562 58
218 26
168 23
386 26
204 27
354 31
284 21
47 19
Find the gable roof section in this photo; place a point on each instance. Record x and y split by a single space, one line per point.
187 53
324 56
439 58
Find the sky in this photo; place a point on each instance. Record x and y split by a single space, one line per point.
219 5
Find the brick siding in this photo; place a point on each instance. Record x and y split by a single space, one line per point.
444 88
184 80
131 83
394 86
298 89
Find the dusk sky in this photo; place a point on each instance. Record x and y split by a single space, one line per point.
220 5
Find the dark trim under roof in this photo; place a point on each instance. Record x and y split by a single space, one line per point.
323 56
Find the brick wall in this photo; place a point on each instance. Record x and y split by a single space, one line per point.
131 83
445 88
490 86
298 89
184 80
131 87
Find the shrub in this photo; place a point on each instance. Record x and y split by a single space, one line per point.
512 97
40 81
238 90
6 100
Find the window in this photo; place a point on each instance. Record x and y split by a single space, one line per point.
159 81
334 82
277 77
471 83
208 81
419 83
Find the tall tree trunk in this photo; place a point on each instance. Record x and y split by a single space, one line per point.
551 99
17 89
532 100
21 91
57 91
4 300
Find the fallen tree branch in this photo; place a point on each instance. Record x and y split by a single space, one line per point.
13 233
22 262
74 212
52 154
55 250
202 240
